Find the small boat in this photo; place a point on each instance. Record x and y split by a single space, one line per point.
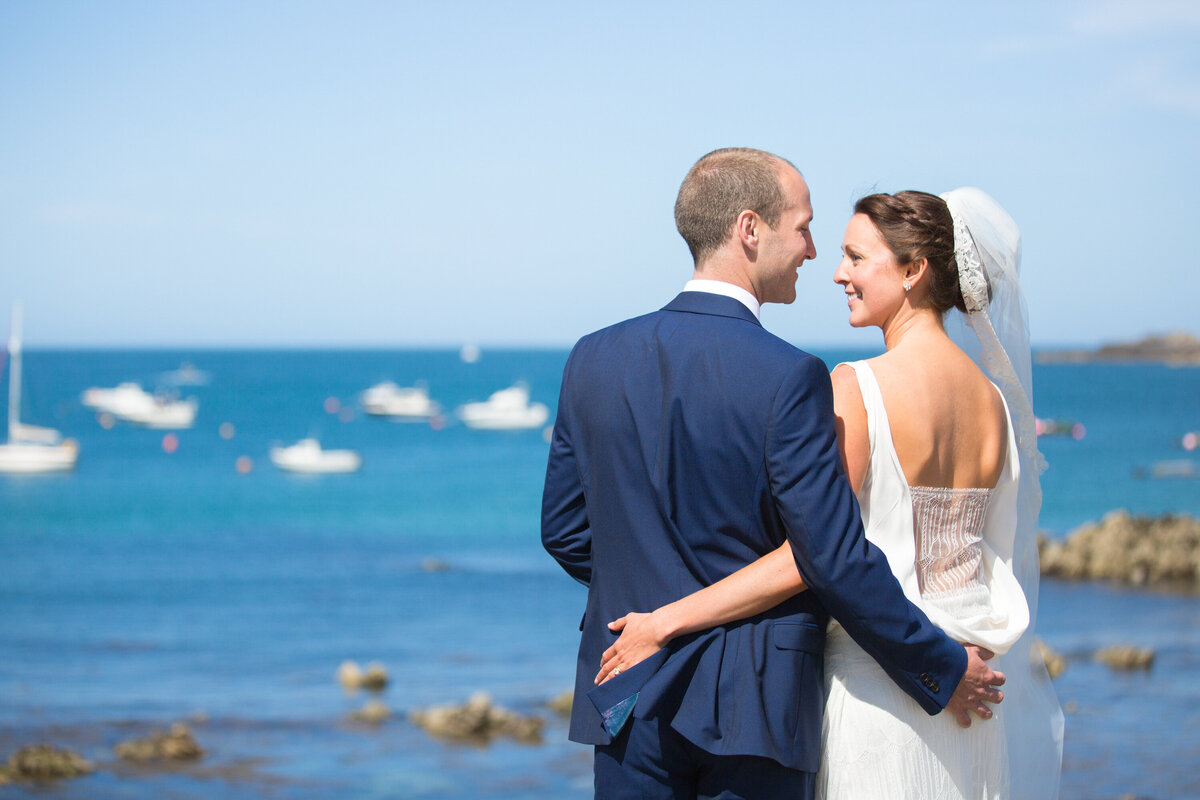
131 403
111 400
163 413
402 404
1166 470
1065 428
30 449
307 456
187 375
506 410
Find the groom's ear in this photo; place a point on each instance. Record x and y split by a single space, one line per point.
746 228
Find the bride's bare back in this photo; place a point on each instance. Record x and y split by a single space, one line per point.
948 423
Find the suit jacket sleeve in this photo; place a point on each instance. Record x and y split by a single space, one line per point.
849 575
566 534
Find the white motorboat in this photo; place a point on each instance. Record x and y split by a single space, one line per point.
112 400
400 403
506 410
131 403
164 413
30 449
308 457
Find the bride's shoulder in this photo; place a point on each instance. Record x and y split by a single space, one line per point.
847 394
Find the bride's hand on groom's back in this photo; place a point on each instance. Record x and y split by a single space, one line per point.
977 689
639 640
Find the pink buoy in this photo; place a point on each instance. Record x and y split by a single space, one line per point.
170 443
1078 431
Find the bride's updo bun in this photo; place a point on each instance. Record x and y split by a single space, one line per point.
918 225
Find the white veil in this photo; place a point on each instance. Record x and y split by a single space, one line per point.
995 333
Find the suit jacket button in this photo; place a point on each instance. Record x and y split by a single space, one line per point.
935 687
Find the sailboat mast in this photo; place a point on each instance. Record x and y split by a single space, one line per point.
14 373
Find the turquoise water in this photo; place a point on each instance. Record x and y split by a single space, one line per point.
149 586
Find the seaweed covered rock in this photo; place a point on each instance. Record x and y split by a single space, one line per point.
177 744
478 721
1128 549
43 762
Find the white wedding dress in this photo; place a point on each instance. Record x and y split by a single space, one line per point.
951 550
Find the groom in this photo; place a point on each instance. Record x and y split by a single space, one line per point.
688 443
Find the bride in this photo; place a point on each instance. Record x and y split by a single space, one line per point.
937 438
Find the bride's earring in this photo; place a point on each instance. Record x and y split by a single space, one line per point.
907 286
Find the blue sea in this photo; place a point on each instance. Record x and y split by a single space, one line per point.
150 586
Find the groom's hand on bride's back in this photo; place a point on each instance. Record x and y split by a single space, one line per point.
977 689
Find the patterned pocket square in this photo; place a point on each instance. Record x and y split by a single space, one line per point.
616 698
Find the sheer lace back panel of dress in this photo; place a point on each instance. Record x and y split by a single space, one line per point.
949 529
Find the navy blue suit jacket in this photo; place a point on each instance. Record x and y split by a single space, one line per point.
688 443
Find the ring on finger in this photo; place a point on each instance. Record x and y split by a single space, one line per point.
616 671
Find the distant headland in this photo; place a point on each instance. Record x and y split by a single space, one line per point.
1178 349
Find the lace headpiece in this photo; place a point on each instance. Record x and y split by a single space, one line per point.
971 278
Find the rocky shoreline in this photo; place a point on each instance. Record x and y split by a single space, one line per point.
477 723
1121 548
1177 349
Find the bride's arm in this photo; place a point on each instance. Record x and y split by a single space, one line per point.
751 590
754 588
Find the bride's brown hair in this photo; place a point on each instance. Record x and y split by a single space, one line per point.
918 225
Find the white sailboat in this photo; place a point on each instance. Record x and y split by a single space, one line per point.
29 448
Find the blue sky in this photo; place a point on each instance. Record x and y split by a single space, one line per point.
410 174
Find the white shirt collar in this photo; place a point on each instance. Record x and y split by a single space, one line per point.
727 289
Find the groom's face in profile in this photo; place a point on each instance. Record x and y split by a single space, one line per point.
783 249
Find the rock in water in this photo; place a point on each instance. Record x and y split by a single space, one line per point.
375 678
352 677
1127 549
562 704
1126 657
478 721
176 744
1055 664
372 713
44 762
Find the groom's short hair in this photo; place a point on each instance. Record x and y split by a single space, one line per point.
719 187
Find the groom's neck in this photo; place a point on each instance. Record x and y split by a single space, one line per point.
716 269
